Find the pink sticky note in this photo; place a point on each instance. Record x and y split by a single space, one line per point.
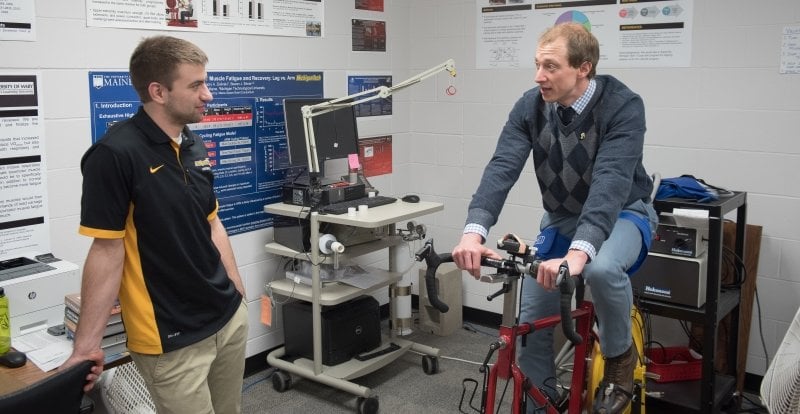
352 161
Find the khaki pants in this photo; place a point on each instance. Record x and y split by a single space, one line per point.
203 378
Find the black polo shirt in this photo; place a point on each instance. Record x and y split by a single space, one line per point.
141 186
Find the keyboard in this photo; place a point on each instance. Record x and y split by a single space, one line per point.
341 207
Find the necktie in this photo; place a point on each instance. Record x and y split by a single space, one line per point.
566 114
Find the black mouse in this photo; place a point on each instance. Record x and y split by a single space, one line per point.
13 359
411 198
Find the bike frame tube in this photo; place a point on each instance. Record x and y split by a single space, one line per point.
506 366
584 328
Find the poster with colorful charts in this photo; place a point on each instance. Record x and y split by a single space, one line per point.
599 17
631 34
574 16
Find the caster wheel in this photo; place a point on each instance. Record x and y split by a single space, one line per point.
281 381
367 405
430 364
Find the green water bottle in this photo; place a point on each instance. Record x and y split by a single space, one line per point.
5 324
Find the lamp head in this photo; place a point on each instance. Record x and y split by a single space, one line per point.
450 66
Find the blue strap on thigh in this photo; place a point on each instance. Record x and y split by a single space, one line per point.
647 240
551 244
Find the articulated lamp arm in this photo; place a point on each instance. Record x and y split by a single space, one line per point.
380 92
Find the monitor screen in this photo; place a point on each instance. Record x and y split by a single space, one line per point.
335 132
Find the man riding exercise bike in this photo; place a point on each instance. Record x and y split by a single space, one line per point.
587 361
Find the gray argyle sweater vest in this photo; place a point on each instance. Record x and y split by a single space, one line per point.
564 157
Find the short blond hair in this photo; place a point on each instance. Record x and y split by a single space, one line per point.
582 46
156 59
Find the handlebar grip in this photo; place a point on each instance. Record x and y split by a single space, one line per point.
566 286
430 283
495 263
433 260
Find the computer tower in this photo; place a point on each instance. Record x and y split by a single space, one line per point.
448 287
348 329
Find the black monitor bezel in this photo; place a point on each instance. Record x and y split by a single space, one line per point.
326 142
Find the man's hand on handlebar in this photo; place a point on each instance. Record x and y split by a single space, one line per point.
467 255
547 273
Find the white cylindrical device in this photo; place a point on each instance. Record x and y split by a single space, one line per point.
329 245
402 301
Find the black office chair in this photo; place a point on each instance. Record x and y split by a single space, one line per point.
59 393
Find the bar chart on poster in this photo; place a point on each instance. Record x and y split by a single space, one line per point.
297 18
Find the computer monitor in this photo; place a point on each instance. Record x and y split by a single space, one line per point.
335 132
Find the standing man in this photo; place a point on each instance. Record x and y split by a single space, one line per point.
586 134
148 201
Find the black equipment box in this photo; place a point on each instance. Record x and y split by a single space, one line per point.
295 233
348 329
300 194
673 279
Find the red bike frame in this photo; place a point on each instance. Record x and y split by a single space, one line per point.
506 365
577 328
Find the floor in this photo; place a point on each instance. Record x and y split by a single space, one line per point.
459 351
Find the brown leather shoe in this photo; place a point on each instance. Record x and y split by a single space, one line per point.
616 389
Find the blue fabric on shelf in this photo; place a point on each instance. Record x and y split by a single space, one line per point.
686 187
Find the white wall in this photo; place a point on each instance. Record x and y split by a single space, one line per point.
65 49
726 119
730 118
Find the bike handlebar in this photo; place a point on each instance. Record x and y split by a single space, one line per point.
433 260
567 284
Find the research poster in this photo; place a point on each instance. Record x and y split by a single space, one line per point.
376 155
243 129
790 50
23 171
17 20
368 35
299 18
632 33
371 5
376 107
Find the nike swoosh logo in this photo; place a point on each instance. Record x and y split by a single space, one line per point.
154 170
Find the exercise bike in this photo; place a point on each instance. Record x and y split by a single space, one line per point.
577 326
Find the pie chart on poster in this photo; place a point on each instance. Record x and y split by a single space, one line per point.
574 16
